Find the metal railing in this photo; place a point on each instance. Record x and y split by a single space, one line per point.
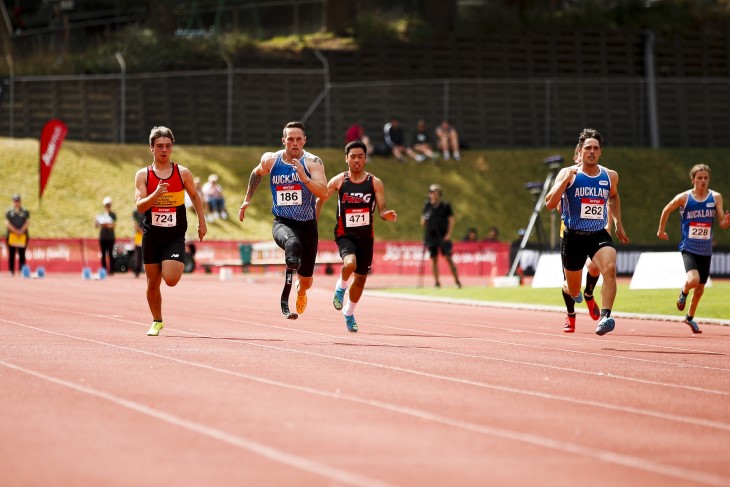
219 106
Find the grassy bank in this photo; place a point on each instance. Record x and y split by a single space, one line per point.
486 188
645 301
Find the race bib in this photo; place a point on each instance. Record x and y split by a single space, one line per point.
591 208
15 240
289 195
357 217
700 231
164 217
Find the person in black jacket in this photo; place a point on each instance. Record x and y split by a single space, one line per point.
437 218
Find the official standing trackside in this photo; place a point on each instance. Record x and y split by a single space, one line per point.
297 178
359 192
437 218
698 208
586 194
17 220
160 195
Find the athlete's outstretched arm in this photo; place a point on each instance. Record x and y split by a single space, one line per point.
676 202
722 216
383 211
189 186
317 183
565 176
332 187
143 200
262 169
614 207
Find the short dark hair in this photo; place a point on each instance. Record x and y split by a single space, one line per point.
160 131
293 125
589 134
354 145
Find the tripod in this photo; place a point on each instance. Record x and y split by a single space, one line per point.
539 191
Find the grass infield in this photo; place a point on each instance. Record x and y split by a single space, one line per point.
714 302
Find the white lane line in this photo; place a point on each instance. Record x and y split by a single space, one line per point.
530 307
543 347
501 342
479 384
266 451
535 440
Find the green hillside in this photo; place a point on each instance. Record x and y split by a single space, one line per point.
486 188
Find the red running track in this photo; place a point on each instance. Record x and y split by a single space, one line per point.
426 394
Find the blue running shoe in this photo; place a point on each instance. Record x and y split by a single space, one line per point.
692 324
351 324
339 298
605 325
681 301
578 298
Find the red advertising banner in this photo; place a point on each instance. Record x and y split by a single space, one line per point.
52 137
72 255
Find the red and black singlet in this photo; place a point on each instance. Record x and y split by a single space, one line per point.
167 216
355 206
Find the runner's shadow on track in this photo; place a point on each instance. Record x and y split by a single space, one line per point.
664 352
413 335
233 339
383 345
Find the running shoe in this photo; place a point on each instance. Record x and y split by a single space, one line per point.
606 325
155 329
301 303
681 301
578 298
350 323
593 309
692 324
569 324
339 298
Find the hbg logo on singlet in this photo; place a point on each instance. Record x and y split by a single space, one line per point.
356 198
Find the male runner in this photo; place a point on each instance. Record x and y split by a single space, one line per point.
586 194
160 195
359 192
296 179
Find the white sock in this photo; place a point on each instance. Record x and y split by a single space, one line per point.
349 308
446 154
341 284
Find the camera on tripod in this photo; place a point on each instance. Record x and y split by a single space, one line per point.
554 163
534 187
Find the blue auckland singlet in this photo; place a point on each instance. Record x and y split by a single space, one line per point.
697 218
584 203
291 197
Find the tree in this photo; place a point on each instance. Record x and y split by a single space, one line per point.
440 15
340 15
161 16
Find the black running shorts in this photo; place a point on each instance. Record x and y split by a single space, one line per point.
576 246
699 263
308 236
362 248
155 249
